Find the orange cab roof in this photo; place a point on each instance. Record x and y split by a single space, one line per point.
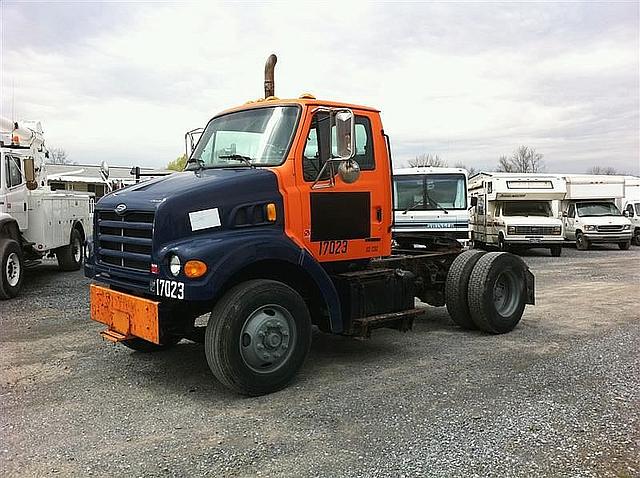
272 101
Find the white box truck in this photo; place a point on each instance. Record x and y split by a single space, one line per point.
630 206
515 210
430 206
589 211
35 222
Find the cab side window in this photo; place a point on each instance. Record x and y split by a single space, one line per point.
630 209
14 172
316 149
572 210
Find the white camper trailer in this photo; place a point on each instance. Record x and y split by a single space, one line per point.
589 212
630 206
34 221
515 210
430 206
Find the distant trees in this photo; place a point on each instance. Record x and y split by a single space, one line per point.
523 160
178 164
608 170
427 159
59 156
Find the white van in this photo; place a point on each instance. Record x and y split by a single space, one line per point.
516 210
430 206
589 211
630 206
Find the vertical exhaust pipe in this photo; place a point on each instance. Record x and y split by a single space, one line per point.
269 67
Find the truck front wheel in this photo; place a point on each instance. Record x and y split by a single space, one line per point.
258 336
12 268
556 251
582 243
624 246
497 292
636 238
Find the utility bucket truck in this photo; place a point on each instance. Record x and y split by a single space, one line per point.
430 206
630 205
590 214
282 219
516 210
34 221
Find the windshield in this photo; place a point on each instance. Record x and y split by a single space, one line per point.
261 135
597 209
526 208
430 192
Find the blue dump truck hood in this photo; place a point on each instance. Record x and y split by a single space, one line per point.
173 197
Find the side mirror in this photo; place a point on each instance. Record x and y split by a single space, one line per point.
626 214
30 173
474 201
104 170
345 134
564 214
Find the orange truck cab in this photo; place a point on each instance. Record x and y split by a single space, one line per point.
281 220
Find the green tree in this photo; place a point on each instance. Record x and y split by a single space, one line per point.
178 164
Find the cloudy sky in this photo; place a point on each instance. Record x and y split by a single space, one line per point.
469 81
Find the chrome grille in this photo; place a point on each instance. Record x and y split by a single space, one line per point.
125 240
537 230
610 228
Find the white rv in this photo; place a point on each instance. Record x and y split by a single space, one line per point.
513 209
589 212
630 206
430 206
34 221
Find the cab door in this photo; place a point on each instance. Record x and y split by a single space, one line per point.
570 222
344 221
16 197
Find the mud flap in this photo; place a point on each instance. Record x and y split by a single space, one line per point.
531 288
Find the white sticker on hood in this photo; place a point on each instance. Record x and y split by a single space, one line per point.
204 219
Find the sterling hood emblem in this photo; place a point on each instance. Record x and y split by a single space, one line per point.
121 208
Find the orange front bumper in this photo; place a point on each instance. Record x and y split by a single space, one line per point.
125 315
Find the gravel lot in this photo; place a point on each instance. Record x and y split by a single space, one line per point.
559 396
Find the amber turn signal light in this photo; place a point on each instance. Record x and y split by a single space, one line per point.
194 269
271 212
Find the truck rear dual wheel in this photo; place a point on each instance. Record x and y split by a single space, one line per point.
497 292
258 336
70 257
457 286
12 263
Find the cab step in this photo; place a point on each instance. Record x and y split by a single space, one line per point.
113 336
402 321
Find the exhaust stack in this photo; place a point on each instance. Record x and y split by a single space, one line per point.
269 67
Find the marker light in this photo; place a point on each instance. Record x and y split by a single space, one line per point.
271 212
195 269
174 265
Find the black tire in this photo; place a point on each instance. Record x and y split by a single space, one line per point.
456 287
582 243
12 268
492 311
556 251
141 345
232 350
71 256
635 240
624 246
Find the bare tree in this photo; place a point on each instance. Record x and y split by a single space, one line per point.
58 156
427 159
523 160
470 169
607 170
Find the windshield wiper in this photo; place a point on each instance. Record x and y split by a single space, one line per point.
435 203
238 157
414 205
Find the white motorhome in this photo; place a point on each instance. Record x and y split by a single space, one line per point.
430 206
514 209
630 206
589 212
34 221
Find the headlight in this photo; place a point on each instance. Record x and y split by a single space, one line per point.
587 227
511 229
557 230
174 265
626 227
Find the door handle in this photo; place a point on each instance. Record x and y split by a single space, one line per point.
379 214
24 204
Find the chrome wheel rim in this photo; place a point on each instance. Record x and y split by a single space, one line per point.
13 269
506 293
268 338
76 249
